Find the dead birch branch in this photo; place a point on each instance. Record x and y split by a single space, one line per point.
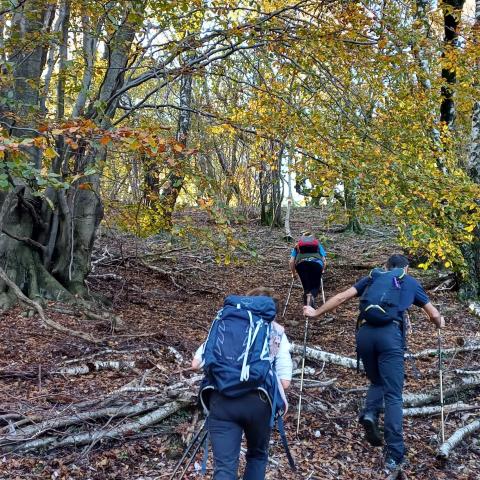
456 438
126 428
435 410
33 431
317 354
96 366
418 399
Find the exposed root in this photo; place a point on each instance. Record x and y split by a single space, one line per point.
51 323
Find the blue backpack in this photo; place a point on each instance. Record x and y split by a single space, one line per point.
236 355
380 302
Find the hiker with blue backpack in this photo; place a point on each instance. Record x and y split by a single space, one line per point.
385 295
308 260
247 365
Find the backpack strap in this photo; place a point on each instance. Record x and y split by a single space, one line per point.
252 334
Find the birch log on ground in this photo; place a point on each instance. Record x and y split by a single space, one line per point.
435 410
446 351
418 399
30 432
327 357
456 438
78 439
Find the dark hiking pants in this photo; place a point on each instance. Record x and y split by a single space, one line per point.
228 419
310 273
381 351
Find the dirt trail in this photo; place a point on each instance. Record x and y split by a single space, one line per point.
173 307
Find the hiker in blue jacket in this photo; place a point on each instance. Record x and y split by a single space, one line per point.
380 345
251 413
308 260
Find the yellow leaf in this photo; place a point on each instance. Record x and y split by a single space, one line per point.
469 228
49 153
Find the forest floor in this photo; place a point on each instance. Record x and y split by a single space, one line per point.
166 296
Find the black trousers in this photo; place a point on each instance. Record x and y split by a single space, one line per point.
310 274
228 419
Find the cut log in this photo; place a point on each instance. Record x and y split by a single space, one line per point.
456 438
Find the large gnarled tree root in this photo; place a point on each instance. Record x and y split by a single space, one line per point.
38 308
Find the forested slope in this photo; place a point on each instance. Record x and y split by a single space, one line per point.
163 297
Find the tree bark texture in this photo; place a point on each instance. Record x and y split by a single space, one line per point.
174 182
452 11
457 437
470 286
46 243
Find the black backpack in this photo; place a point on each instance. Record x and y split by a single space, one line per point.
380 302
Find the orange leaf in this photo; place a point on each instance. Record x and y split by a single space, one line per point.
105 140
178 147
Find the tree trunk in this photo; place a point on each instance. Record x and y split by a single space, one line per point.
452 11
271 191
350 194
174 183
470 286
46 242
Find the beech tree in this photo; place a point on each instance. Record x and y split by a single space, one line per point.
62 107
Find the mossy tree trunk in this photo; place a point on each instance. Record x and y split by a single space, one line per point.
46 242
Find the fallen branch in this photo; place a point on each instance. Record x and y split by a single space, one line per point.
32 431
97 366
447 351
309 383
316 354
435 410
124 429
456 438
418 399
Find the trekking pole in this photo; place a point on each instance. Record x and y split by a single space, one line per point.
323 292
442 417
288 296
303 367
187 450
194 454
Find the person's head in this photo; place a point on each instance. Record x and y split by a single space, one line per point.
307 233
397 261
264 291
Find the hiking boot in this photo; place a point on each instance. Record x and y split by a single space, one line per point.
393 466
372 432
